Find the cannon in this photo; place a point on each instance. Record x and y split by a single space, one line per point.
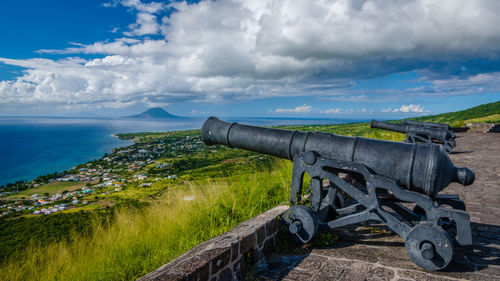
393 183
421 132
435 125
429 124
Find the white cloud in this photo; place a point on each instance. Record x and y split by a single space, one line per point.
151 8
332 111
202 112
236 49
410 108
146 24
299 109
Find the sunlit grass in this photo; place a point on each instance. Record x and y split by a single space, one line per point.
494 118
139 241
352 129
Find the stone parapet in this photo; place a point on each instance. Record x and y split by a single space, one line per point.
225 256
483 128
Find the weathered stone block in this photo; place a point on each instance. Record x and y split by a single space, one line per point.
272 227
204 273
268 247
226 275
221 260
235 251
261 234
239 269
247 243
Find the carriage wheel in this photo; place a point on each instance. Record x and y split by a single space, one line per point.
428 246
302 222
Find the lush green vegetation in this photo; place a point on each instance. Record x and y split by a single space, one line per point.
49 189
460 118
352 129
136 241
493 118
38 231
144 137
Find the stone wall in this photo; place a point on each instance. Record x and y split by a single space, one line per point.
460 129
226 256
483 128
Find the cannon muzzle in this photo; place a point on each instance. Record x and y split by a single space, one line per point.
423 168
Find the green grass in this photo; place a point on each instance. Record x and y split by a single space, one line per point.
494 118
139 241
459 118
50 188
149 136
352 129
86 208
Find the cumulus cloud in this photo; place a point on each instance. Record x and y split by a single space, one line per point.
332 111
410 108
299 109
236 49
146 24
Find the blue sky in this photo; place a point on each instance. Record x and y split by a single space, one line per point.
327 59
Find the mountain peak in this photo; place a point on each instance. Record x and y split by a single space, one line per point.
153 113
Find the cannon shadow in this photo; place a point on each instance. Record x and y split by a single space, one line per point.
375 243
462 152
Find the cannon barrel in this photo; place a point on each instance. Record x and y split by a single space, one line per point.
428 124
432 125
423 168
435 132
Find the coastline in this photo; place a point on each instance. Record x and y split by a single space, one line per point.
108 143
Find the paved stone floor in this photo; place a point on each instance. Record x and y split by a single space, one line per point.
367 252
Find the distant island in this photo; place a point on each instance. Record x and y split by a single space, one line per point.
153 113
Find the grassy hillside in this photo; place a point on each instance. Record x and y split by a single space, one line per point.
138 241
494 118
352 129
485 113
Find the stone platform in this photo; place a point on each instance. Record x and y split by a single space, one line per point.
372 252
